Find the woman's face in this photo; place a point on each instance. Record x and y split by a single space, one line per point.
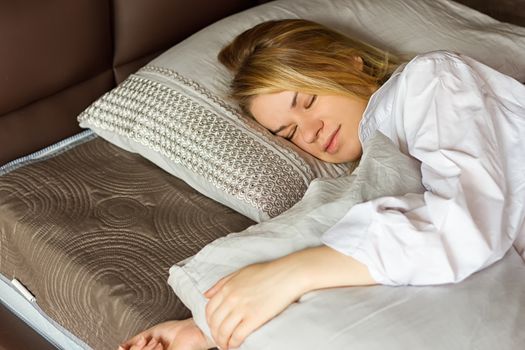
323 125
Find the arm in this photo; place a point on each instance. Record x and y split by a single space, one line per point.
324 267
243 301
450 114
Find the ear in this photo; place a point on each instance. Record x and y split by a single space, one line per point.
358 61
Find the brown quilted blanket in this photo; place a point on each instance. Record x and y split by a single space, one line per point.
92 233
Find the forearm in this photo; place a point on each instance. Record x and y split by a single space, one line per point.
324 267
256 293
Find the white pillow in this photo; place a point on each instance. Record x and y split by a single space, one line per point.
403 26
483 312
174 111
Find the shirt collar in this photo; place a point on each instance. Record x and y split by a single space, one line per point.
378 111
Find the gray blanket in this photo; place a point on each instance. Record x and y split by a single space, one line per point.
366 317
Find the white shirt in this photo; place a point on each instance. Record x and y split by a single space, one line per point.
465 123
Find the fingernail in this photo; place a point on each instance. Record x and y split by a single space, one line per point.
142 340
120 348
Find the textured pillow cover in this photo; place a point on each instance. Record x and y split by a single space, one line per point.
376 317
206 144
174 111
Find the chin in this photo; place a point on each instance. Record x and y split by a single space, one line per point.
333 159
338 159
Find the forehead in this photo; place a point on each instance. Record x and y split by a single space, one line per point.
269 109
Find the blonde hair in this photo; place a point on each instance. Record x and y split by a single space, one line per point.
301 55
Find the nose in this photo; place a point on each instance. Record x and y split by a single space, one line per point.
310 128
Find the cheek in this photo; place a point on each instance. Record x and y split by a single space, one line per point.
352 152
309 148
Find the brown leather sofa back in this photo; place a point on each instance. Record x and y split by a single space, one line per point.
57 56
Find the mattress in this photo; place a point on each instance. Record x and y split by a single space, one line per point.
91 230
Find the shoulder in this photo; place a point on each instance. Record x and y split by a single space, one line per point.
442 65
440 57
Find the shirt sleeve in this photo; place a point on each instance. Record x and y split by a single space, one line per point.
446 117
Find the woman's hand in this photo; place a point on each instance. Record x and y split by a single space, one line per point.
170 335
245 300
143 344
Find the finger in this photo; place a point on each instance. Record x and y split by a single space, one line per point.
133 341
226 329
157 345
243 330
139 345
213 290
217 319
212 305
151 344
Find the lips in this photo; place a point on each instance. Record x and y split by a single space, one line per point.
330 145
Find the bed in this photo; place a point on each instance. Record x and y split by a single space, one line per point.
90 225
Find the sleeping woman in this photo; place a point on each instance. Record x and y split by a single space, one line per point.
326 93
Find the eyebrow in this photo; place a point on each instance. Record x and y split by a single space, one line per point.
281 128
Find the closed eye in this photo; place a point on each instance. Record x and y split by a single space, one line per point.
290 137
311 102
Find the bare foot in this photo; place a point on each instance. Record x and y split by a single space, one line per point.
170 335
